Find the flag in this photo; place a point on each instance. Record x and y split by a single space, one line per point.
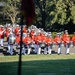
28 11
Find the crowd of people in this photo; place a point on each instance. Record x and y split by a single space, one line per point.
35 39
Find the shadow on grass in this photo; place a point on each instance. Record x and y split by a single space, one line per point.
40 67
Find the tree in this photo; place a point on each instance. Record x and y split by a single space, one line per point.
62 12
41 13
11 9
50 12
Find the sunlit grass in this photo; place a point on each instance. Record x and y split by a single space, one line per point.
38 65
36 57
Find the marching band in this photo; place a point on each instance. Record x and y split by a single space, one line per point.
34 39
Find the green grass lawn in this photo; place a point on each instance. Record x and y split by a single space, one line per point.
39 65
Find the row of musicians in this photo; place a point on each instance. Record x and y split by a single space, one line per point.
44 41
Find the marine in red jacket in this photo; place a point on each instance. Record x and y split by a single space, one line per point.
1 35
66 39
38 39
32 34
18 39
1 32
43 38
65 34
58 39
17 30
73 39
49 40
24 29
27 40
8 30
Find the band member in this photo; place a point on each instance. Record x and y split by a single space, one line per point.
1 35
65 34
18 42
67 40
27 40
49 43
42 33
11 42
17 30
58 41
37 42
43 42
8 30
73 39
24 44
32 33
24 29
18 39
33 45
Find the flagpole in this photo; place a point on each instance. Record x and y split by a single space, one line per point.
28 13
20 55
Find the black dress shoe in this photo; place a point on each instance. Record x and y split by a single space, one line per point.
58 53
67 53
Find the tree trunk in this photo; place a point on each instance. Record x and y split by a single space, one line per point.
43 13
13 20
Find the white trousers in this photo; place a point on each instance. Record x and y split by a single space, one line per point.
45 50
1 42
38 49
23 50
49 49
10 49
29 49
59 48
67 49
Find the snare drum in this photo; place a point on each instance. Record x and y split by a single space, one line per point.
32 45
42 45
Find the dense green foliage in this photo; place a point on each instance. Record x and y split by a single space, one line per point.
11 10
48 12
57 11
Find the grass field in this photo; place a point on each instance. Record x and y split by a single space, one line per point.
39 65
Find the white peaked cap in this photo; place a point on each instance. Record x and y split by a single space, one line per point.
8 24
17 25
58 33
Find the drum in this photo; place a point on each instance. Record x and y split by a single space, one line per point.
54 44
62 44
42 45
50 43
68 42
71 44
59 42
32 45
11 39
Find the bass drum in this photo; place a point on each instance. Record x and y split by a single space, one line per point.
11 39
42 45
32 45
